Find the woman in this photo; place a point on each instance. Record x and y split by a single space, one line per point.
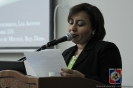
90 57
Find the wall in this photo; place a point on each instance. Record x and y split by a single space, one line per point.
118 16
10 56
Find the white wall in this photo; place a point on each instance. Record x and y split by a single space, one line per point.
118 15
10 56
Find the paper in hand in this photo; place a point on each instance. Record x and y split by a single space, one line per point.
46 61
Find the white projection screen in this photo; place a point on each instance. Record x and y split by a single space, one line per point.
25 23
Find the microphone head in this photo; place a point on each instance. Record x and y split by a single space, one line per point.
69 37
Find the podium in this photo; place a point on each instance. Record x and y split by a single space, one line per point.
15 79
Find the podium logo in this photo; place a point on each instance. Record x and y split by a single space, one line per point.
115 76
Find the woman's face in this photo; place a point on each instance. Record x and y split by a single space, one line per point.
80 28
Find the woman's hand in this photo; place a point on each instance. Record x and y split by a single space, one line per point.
71 73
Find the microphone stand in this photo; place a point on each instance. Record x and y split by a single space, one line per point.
68 37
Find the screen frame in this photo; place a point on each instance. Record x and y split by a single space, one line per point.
51 34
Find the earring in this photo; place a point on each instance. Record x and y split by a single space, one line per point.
93 33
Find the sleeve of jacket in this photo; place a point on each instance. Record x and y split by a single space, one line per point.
64 53
109 57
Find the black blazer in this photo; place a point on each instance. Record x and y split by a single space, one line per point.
95 59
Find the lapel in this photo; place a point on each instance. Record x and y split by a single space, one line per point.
70 53
85 52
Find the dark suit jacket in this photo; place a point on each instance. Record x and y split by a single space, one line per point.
95 59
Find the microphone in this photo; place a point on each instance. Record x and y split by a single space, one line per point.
67 37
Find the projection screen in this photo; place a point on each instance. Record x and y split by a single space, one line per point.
24 23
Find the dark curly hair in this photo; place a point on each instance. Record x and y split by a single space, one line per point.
95 16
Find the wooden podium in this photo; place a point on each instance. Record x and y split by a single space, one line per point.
14 79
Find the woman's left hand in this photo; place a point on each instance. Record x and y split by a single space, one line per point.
71 73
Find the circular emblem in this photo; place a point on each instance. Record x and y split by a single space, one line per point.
115 76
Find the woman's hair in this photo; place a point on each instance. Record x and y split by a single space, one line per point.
95 16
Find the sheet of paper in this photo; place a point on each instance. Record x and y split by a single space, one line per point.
46 61
29 69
